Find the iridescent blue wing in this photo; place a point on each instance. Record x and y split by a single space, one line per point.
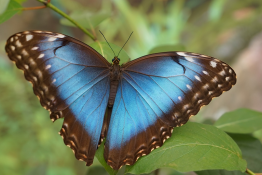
71 80
156 93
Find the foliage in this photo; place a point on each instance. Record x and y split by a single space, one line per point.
28 144
89 20
238 122
103 49
193 147
4 5
12 8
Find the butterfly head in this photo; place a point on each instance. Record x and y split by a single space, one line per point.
116 60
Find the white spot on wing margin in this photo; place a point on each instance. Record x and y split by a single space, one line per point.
41 55
197 77
188 86
182 54
205 72
213 64
12 48
29 37
48 66
60 36
24 52
52 39
34 48
189 58
18 43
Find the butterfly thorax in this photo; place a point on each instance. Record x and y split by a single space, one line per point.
115 72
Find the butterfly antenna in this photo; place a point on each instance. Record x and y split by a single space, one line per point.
124 44
107 43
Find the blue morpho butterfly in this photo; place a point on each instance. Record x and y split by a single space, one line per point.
135 105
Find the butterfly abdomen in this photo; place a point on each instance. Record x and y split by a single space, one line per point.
112 94
114 81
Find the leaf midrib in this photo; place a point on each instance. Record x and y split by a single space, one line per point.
165 149
235 122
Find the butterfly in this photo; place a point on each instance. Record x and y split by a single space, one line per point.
135 106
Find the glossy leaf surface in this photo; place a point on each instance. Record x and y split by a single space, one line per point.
193 147
12 8
240 121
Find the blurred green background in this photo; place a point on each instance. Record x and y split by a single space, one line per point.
228 30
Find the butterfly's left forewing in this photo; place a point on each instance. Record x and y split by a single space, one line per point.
71 80
156 93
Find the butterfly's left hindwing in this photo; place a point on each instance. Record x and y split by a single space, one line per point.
156 93
71 80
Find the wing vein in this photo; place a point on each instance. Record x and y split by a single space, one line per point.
142 96
163 90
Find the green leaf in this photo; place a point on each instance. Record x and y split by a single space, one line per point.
219 172
59 170
100 157
3 6
21 1
86 19
193 147
258 134
95 170
240 121
167 48
12 8
252 152
105 51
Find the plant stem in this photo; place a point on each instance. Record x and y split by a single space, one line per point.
48 4
34 8
250 172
